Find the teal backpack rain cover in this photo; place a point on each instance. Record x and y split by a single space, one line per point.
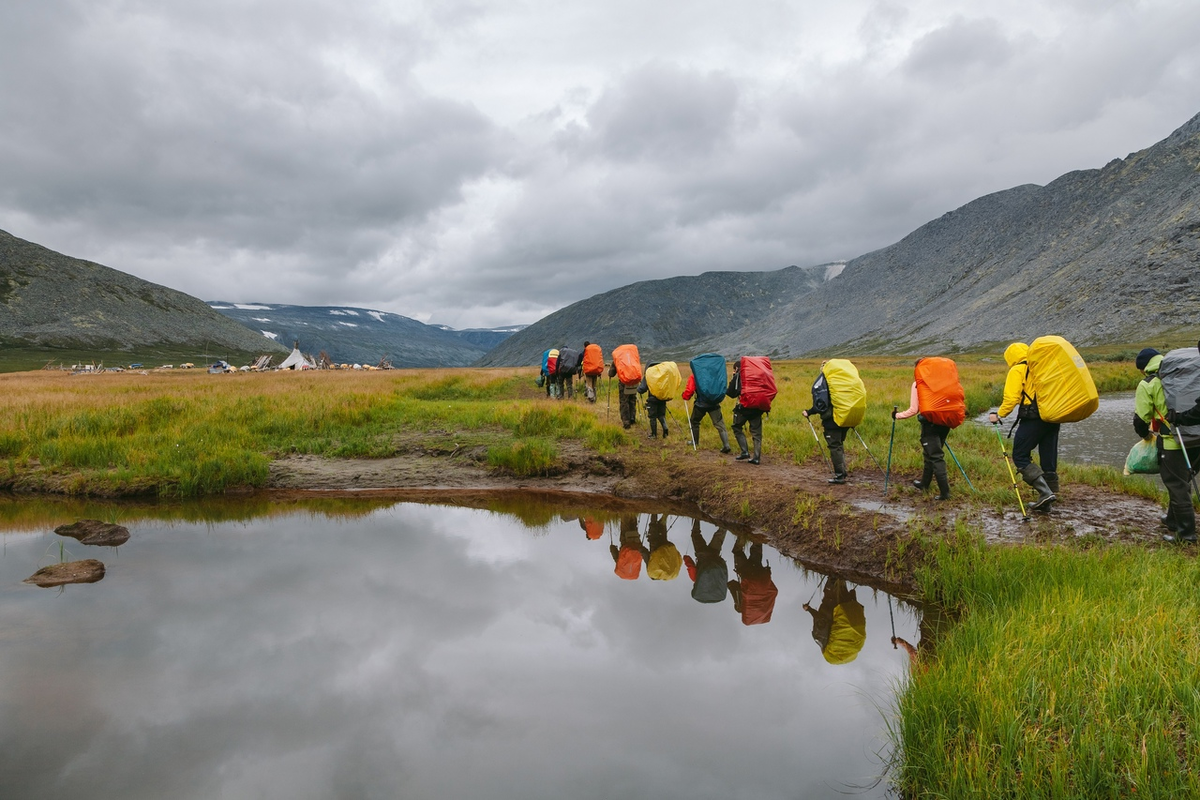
709 371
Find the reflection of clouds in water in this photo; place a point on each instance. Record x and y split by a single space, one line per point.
304 657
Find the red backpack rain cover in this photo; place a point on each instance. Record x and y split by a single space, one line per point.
758 383
940 397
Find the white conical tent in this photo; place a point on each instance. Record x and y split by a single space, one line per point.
297 360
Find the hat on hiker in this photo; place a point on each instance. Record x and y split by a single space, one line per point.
1143 357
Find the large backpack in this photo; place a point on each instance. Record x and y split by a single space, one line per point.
593 360
1180 376
708 372
663 380
846 392
628 363
551 361
940 397
758 383
1058 381
545 360
568 360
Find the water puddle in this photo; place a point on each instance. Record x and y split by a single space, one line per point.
388 649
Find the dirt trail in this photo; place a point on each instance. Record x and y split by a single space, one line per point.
849 529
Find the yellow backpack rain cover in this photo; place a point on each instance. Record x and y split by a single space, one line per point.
1059 380
663 380
846 392
848 633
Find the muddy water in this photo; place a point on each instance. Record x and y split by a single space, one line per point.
1103 439
436 652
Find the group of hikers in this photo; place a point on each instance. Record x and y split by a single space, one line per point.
1047 384
839 623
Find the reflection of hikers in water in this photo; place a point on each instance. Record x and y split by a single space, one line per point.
592 528
631 553
840 624
753 592
663 560
708 572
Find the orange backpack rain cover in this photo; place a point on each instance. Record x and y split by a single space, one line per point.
629 364
940 397
593 360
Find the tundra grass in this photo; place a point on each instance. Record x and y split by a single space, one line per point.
190 434
1070 674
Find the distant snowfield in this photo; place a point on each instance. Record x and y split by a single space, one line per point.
833 270
343 312
270 335
378 315
243 307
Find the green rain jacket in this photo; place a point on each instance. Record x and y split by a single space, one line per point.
1151 403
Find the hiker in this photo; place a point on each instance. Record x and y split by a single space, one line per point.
835 435
840 624
662 560
708 571
1032 430
591 368
936 400
753 592
741 416
564 374
705 405
656 408
545 379
1150 419
551 367
626 367
630 555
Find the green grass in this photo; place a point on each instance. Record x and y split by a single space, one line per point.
1070 674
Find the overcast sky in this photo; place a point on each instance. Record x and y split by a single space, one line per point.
478 163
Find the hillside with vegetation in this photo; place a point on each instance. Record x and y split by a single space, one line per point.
53 302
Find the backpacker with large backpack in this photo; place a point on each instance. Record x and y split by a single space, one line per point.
845 391
940 396
708 372
663 380
568 361
1057 382
757 383
628 364
593 360
1180 376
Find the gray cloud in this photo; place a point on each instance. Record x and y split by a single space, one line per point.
478 164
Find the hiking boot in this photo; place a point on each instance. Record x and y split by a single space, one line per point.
838 479
1174 537
753 461
726 450
920 485
664 431
742 457
652 436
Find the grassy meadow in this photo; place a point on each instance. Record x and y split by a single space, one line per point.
1072 670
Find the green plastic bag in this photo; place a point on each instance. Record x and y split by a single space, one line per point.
1142 458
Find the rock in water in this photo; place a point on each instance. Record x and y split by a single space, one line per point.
95 532
87 571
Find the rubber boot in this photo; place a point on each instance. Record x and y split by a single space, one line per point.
725 448
926 478
943 481
838 459
1033 475
1051 480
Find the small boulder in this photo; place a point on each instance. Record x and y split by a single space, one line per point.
87 571
95 532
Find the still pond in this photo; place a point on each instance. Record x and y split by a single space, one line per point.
431 651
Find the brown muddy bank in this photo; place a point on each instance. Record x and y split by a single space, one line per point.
848 529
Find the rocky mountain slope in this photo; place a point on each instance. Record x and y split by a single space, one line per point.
359 335
1098 256
663 316
1102 255
51 300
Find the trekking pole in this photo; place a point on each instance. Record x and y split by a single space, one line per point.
888 473
864 444
818 441
674 421
1011 473
607 399
893 619
960 467
1186 458
691 433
